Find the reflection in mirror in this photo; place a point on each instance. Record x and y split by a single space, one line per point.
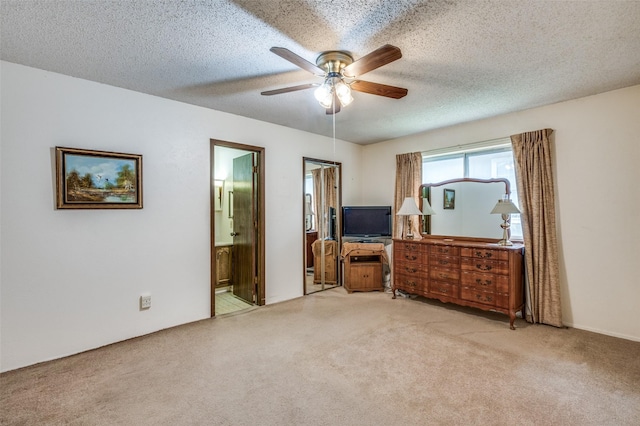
321 202
469 213
308 212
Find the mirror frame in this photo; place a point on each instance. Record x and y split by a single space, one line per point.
426 220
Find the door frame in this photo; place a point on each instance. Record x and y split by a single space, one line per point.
260 242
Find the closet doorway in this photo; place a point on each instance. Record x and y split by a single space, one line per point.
321 203
237 227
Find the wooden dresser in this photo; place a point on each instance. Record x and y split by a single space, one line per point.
465 272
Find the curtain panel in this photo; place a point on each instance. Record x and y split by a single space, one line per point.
324 196
408 181
532 153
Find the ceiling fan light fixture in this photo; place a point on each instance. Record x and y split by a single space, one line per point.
335 66
346 100
323 92
343 92
326 103
342 89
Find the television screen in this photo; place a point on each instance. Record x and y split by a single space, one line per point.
366 221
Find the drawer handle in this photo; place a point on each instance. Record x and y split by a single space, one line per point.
443 250
441 275
486 254
410 270
411 283
410 257
484 267
485 282
485 299
443 262
443 290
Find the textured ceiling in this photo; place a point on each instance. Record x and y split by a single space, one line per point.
461 61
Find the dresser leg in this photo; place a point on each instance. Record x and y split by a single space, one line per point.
512 319
393 290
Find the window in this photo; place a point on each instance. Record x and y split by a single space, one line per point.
481 161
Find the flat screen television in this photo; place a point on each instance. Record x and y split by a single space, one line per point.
366 221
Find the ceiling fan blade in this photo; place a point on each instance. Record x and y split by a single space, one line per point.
289 89
297 60
373 60
379 89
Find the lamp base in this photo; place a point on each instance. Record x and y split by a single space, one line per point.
505 231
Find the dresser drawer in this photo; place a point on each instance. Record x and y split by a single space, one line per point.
444 250
412 269
408 246
408 256
444 288
444 274
502 300
482 265
474 294
411 284
445 261
482 253
487 282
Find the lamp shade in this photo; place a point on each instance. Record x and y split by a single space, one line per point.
426 208
505 207
409 208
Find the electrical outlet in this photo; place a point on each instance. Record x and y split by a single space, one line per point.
145 301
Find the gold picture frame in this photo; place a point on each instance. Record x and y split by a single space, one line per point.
88 179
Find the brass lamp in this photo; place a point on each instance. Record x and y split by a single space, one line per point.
308 215
409 208
506 208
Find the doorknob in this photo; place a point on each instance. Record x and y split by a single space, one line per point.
233 234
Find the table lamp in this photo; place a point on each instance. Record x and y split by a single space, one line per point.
505 207
409 208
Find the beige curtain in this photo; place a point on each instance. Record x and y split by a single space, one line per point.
532 152
324 178
408 181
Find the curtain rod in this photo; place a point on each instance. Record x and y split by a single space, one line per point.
474 146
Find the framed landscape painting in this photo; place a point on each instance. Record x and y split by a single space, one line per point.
449 198
88 179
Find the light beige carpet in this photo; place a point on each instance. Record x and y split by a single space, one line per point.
337 359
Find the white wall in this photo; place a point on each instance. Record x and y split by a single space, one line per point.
597 170
70 280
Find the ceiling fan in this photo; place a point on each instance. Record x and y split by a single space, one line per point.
340 73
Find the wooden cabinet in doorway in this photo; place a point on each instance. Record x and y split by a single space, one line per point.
224 256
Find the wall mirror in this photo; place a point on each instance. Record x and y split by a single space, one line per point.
321 205
469 213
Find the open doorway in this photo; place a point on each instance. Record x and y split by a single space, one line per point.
237 227
321 207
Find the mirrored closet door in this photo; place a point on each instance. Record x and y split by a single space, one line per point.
321 207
